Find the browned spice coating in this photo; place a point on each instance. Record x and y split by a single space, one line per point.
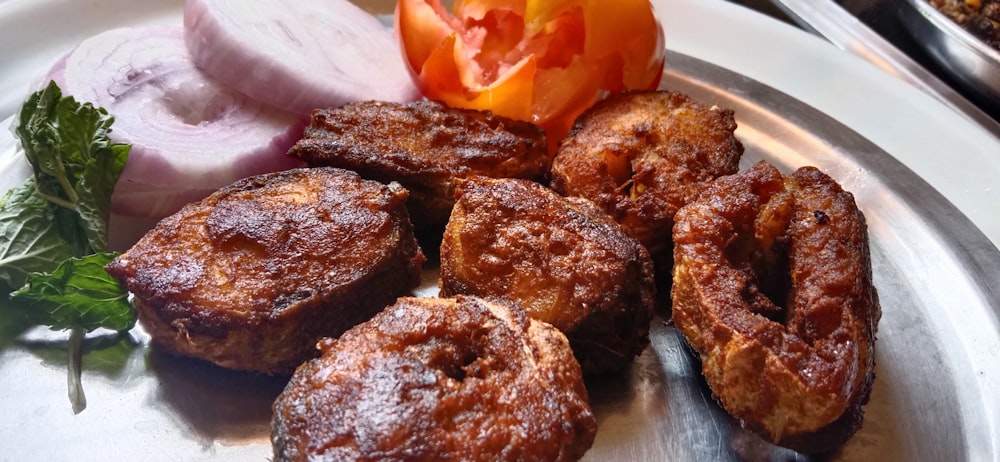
980 17
425 146
252 276
562 259
642 155
773 288
433 379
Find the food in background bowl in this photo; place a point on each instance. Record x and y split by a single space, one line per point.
979 17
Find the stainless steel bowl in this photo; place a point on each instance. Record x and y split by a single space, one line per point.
964 56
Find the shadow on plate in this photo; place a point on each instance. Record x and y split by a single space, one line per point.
215 403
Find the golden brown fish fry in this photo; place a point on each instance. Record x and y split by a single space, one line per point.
433 379
562 259
640 156
773 288
252 276
425 146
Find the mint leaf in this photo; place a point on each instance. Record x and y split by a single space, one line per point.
30 238
75 163
79 293
95 165
94 189
63 210
39 136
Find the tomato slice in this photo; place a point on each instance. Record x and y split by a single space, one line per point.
545 61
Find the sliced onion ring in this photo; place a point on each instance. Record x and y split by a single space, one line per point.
190 135
298 55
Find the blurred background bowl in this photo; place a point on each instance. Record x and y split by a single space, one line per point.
971 62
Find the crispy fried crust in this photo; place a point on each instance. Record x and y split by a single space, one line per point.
252 276
640 156
424 146
438 379
773 288
562 259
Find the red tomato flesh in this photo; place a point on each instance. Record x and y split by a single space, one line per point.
544 61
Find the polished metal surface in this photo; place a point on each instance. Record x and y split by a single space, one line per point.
981 74
935 394
968 58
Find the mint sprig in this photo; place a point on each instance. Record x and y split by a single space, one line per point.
54 227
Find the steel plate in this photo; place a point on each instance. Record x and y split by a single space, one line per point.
935 389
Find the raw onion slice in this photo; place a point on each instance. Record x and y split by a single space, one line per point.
190 134
297 55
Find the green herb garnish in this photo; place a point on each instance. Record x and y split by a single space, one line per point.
78 294
53 228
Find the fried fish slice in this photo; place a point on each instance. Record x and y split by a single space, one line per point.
562 259
425 146
255 274
435 379
773 288
640 156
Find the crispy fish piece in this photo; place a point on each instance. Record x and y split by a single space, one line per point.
435 379
562 259
640 156
773 289
425 146
254 275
